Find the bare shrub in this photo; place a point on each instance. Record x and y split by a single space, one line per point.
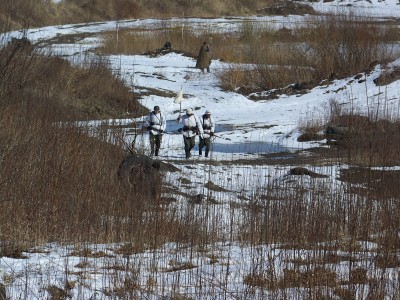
71 92
21 11
358 276
310 278
311 127
332 46
388 76
283 219
254 44
363 140
59 184
112 100
238 78
342 45
125 9
270 65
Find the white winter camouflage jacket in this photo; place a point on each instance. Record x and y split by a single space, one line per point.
191 126
155 123
208 126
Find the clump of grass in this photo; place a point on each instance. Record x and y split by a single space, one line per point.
239 79
54 84
342 45
364 140
327 47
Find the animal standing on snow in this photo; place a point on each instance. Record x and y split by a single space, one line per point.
155 125
204 58
191 126
208 124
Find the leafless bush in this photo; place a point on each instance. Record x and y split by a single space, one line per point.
328 47
364 140
238 77
322 221
342 45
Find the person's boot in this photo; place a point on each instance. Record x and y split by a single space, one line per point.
151 153
187 152
200 153
206 153
156 154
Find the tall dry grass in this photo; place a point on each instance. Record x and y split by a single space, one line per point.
327 47
365 140
339 46
22 14
328 228
58 178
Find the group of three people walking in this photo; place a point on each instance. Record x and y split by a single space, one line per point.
192 126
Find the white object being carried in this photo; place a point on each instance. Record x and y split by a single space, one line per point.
179 97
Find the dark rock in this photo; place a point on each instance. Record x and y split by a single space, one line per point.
310 136
304 171
198 199
213 187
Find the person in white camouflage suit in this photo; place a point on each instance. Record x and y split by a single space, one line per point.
208 124
155 124
191 126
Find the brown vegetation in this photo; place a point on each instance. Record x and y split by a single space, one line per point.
279 61
66 92
328 47
58 180
21 14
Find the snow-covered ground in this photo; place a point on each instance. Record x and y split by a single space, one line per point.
371 8
246 129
